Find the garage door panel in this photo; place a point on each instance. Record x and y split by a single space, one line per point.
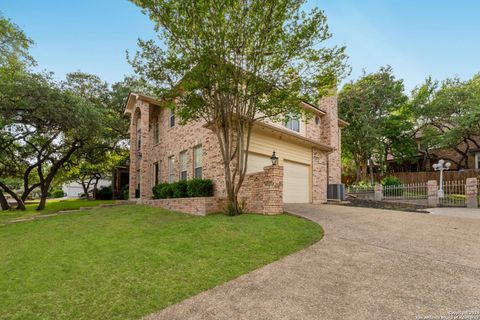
296 182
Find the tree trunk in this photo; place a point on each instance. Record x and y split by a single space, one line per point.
85 189
43 199
20 203
3 201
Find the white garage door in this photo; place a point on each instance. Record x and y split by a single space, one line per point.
256 162
296 182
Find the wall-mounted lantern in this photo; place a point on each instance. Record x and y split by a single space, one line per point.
274 158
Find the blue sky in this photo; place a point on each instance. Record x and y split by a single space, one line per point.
416 37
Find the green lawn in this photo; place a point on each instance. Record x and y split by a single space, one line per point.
126 262
52 205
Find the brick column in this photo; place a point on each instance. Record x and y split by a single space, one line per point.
145 166
273 190
132 184
378 192
432 193
320 178
471 193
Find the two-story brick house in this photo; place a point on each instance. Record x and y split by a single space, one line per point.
162 150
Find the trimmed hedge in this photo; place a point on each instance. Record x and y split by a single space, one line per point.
184 189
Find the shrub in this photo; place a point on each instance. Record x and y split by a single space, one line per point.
392 186
105 193
391 181
124 193
200 188
184 189
179 189
58 193
162 191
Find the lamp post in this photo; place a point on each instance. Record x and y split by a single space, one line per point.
274 159
441 166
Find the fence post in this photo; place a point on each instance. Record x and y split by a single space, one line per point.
378 190
471 193
432 193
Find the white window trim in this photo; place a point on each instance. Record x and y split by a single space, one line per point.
477 155
291 119
195 160
171 169
183 159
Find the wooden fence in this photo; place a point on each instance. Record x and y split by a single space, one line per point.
420 177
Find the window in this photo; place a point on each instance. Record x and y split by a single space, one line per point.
171 169
156 130
139 135
477 160
293 123
156 173
183 165
172 118
197 162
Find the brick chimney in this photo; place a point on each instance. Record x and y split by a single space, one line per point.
331 136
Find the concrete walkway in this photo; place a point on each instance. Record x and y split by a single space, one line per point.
470 213
371 264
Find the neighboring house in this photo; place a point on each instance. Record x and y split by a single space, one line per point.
466 155
162 150
75 189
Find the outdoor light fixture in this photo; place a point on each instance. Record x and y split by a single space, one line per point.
274 158
441 166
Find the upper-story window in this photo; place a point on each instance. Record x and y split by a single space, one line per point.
292 123
477 160
156 130
139 134
172 118
197 162
171 169
183 165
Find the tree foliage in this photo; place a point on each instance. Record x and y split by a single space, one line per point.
43 127
380 118
233 62
448 116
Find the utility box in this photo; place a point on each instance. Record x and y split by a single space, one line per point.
336 192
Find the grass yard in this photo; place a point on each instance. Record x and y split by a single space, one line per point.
52 205
129 261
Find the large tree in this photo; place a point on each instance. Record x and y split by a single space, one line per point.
232 63
380 120
448 116
45 126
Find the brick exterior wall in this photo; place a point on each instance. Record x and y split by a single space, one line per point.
262 192
183 138
172 141
198 206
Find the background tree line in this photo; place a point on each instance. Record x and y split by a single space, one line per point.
54 131
385 122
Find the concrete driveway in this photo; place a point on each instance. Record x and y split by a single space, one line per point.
371 264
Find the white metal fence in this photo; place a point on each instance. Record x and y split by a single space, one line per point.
453 194
412 191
